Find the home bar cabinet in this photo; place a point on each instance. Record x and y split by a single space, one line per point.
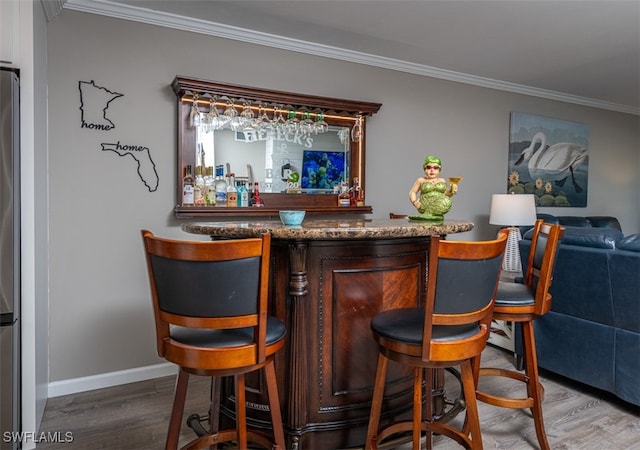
329 278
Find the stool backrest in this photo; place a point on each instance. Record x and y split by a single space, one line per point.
461 283
545 243
209 285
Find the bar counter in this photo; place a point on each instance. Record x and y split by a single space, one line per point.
330 229
329 278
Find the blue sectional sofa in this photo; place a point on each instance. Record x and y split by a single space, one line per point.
592 333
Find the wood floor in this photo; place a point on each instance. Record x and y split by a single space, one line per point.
135 416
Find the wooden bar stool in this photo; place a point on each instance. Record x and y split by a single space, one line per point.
210 308
450 330
523 303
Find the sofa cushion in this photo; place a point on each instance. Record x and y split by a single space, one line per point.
574 221
549 218
591 237
630 243
604 222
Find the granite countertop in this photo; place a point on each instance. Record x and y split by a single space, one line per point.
329 229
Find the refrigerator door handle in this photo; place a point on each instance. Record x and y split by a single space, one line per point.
7 319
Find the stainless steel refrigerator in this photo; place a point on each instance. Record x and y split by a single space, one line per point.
10 421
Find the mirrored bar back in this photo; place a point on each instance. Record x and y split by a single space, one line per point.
295 151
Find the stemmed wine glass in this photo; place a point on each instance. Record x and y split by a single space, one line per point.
278 121
247 116
231 116
263 122
292 121
356 131
306 124
195 116
320 126
212 118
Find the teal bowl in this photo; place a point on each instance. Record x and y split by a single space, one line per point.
292 218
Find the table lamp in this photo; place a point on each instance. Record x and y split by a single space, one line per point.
512 211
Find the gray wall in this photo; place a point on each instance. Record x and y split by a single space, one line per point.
100 314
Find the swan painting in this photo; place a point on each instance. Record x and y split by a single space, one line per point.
554 163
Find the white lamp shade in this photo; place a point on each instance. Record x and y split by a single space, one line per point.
512 210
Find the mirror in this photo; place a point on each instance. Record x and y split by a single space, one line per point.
321 161
298 148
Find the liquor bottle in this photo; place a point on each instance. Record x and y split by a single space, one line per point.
358 193
257 201
221 187
344 199
210 184
199 188
360 197
352 192
187 188
243 194
232 191
252 193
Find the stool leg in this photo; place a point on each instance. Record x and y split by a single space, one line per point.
417 407
274 404
534 389
214 408
241 411
179 397
429 404
472 420
376 402
475 370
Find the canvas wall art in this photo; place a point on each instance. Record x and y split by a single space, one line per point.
549 158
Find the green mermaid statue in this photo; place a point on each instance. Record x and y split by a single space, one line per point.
430 194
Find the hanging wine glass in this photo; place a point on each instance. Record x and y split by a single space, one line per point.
263 122
320 126
306 124
292 121
278 121
195 116
356 131
231 116
247 117
212 117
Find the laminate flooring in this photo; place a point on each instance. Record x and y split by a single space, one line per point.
135 416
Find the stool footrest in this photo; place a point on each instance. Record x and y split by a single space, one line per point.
493 372
208 440
506 402
433 427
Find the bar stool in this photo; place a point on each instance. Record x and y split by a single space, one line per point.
523 303
451 329
210 309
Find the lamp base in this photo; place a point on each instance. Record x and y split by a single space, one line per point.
511 261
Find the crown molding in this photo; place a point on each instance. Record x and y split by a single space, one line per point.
52 8
194 25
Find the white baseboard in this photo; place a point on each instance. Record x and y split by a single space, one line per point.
103 380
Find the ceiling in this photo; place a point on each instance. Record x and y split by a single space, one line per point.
585 52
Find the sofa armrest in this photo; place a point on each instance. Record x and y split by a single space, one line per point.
604 222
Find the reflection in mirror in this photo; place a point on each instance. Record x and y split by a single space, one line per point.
318 163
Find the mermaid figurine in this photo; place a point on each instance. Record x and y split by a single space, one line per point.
430 194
